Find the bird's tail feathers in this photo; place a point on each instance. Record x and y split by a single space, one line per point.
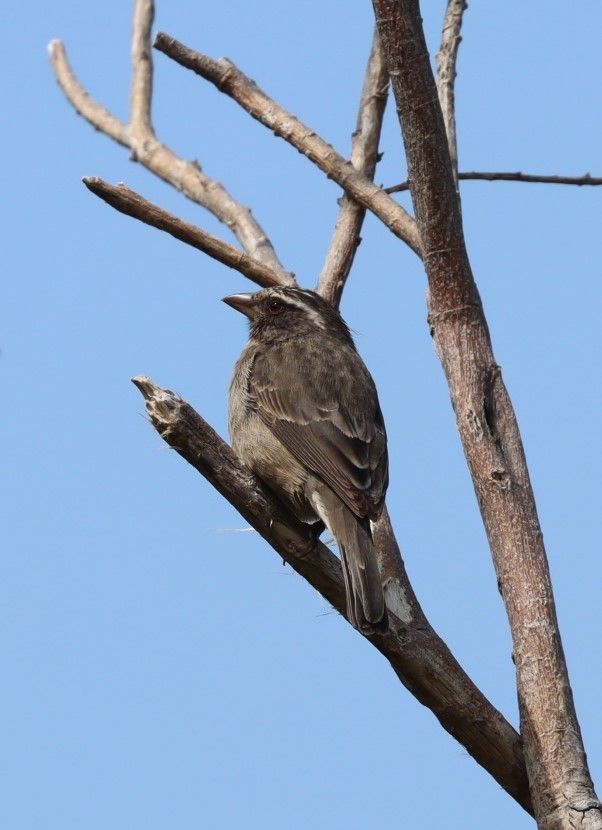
363 583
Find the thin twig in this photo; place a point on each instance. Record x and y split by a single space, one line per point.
446 75
364 157
420 659
185 176
579 181
131 203
230 80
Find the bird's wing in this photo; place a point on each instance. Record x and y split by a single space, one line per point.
344 444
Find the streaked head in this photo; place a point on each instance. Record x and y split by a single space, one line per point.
283 312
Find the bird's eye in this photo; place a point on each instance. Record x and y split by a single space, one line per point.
276 307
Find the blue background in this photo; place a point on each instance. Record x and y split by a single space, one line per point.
161 668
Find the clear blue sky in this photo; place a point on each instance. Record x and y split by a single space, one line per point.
161 669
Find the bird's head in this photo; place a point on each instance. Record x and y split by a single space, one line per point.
284 312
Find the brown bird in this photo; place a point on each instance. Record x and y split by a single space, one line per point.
304 416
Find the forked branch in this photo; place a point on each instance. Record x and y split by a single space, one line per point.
139 137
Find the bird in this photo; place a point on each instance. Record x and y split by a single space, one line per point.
304 416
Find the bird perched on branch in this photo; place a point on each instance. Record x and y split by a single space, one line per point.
304 416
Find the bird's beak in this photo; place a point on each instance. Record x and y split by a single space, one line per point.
241 302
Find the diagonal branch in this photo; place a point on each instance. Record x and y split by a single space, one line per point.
364 157
580 181
139 137
418 656
132 204
559 778
231 81
446 74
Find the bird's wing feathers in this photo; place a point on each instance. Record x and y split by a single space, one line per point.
346 447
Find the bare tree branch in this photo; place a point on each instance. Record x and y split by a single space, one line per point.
100 118
231 81
513 177
528 177
364 157
131 203
141 91
185 176
446 75
560 782
418 656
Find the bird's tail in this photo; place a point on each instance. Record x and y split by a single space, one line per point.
366 608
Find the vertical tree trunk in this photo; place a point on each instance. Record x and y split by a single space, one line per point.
561 786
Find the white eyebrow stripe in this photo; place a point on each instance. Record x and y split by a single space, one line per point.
307 308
